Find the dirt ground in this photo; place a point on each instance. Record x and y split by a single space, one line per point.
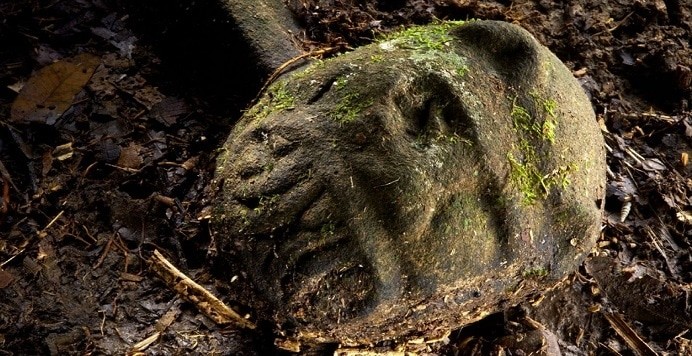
93 184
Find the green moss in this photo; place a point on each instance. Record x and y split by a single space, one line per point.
327 229
349 107
436 61
244 217
430 44
548 130
340 82
537 272
454 139
351 103
429 37
376 58
549 107
527 177
266 203
532 181
277 98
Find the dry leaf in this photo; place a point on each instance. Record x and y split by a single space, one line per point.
51 91
129 156
47 163
16 87
168 110
685 216
653 164
63 152
6 279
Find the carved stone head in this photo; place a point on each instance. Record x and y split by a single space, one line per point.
412 185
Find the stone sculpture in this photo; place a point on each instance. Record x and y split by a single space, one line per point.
412 185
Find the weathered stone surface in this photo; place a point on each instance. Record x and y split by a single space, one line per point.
412 185
268 27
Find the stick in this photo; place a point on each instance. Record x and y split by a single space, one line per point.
630 336
288 63
189 290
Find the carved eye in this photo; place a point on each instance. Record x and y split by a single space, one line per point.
442 119
259 135
432 110
280 146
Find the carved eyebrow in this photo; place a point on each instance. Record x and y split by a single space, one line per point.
321 90
334 79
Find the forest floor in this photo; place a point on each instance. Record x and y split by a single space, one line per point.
116 165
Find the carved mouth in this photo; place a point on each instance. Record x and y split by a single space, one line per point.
311 268
326 284
299 252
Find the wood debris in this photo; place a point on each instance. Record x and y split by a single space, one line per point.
189 290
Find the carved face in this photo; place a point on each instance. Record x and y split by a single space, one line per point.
413 183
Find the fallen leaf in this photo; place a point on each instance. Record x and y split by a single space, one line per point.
6 279
130 156
653 164
685 216
51 91
16 87
63 152
47 163
168 110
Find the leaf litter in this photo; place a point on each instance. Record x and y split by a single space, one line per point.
52 90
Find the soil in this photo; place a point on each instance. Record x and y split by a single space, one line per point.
88 195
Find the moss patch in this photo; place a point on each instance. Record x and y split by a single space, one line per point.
538 272
351 102
429 38
277 98
376 58
550 123
350 107
533 182
431 46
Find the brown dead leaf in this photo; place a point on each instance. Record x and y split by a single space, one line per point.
6 279
168 110
51 90
47 163
130 156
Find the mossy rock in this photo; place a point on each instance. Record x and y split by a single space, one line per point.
412 185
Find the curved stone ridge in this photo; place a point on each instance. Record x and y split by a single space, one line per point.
412 185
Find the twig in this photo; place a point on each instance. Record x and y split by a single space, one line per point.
278 71
617 24
207 303
164 322
42 233
630 336
657 245
654 115
361 352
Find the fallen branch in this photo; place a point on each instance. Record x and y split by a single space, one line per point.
189 290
